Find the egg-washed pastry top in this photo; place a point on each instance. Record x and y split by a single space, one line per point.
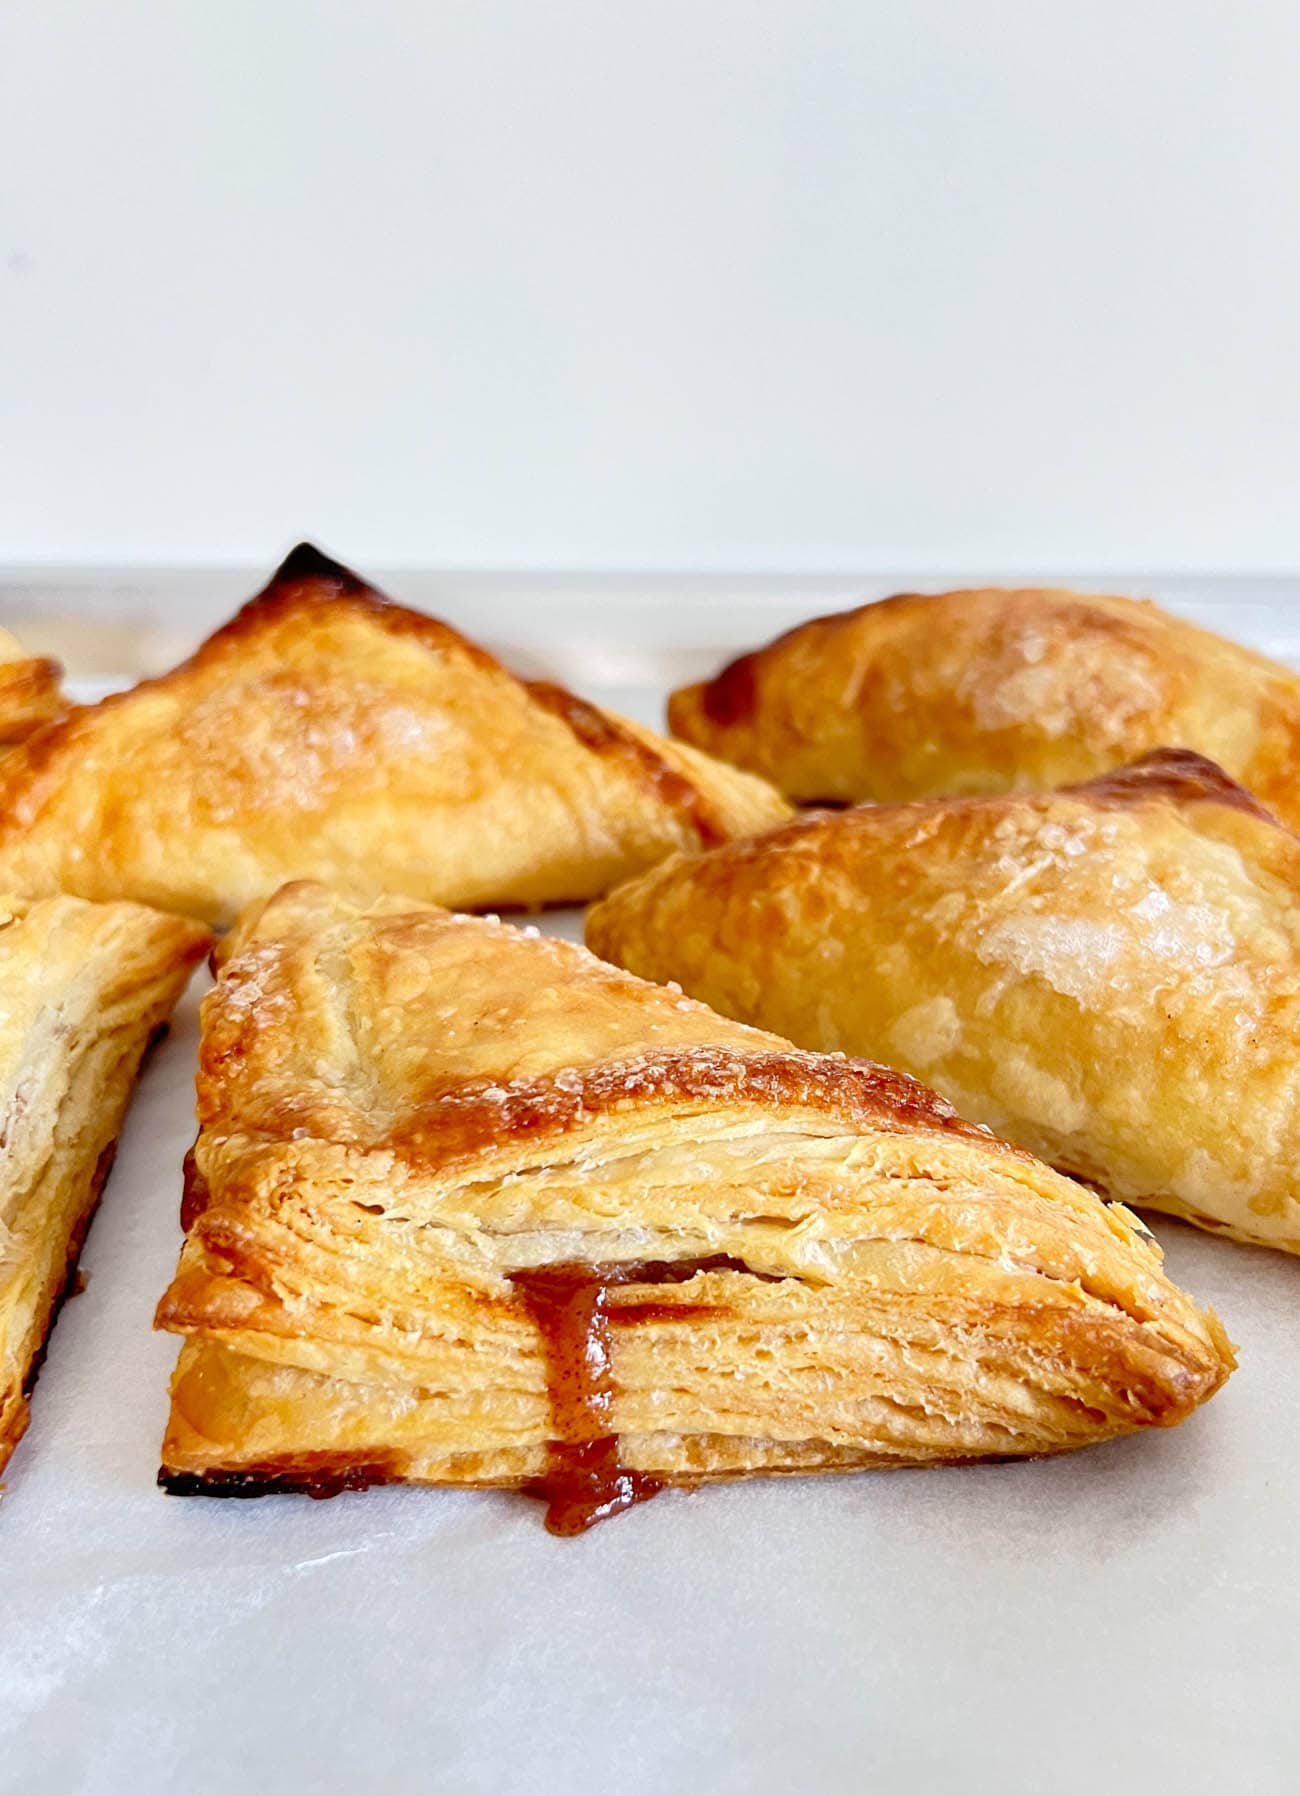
83 987
469 1207
988 691
1108 974
327 732
29 691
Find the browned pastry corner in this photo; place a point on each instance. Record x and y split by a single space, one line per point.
1108 974
469 1207
991 691
83 988
327 732
29 691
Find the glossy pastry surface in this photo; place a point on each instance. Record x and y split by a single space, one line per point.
327 732
29 691
469 1207
1109 975
989 691
82 989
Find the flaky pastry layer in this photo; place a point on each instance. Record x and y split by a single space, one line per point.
29 691
1109 975
805 1263
83 987
327 732
988 691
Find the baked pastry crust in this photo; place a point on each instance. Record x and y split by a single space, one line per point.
411 1121
29 691
989 691
327 732
1107 974
83 987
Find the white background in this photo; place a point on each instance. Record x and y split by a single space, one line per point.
750 284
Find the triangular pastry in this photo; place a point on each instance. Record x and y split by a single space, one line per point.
1108 974
29 691
327 732
967 692
83 987
469 1207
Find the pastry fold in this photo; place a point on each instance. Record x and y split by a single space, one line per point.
29 691
83 987
1107 974
961 693
469 1207
327 732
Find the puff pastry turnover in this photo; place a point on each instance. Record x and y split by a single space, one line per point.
327 732
82 989
29 691
469 1207
1108 974
990 691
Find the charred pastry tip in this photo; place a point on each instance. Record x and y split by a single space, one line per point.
307 562
323 1484
731 697
1179 774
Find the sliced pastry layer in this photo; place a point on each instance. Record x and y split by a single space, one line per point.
469 1207
83 987
29 691
992 691
1108 974
327 732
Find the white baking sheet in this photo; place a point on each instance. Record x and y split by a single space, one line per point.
1124 1619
